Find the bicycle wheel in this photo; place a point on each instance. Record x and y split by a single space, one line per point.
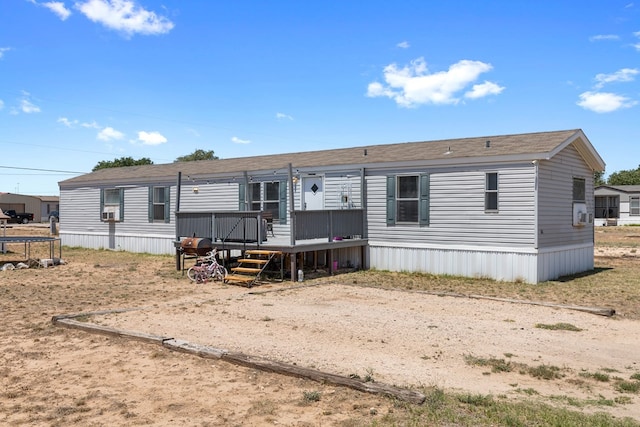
191 273
202 276
220 273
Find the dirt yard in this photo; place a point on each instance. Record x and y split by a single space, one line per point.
413 339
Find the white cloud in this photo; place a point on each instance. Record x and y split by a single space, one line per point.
109 134
68 123
601 37
237 140
1 104
3 50
623 75
484 89
604 102
28 107
151 138
75 123
282 116
414 85
92 125
636 45
124 16
58 8
403 45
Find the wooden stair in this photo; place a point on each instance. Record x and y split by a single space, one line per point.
251 267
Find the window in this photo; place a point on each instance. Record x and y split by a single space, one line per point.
579 192
408 199
491 192
159 208
112 197
268 197
112 204
634 205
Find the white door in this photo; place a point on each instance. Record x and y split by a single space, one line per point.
313 193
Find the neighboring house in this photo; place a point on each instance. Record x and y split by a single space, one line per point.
39 206
21 203
617 205
48 204
511 207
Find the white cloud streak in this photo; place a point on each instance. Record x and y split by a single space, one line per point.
414 85
58 8
403 45
151 138
124 16
604 37
3 50
484 89
604 102
237 140
623 75
27 107
110 134
282 116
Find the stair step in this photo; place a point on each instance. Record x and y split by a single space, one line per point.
253 271
239 278
262 252
253 261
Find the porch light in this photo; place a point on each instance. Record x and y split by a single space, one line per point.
195 190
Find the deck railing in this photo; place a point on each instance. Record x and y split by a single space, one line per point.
242 226
329 224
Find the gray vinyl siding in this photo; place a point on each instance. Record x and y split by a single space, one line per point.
457 214
210 197
81 209
336 186
555 200
82 212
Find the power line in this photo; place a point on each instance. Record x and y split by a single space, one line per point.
41 170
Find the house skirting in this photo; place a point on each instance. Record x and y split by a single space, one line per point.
505 264
151 244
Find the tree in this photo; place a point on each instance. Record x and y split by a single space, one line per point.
625 177
122 161
199 154
598 178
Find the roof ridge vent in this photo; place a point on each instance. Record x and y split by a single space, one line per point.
487 144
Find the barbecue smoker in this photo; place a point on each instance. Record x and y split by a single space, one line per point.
195 246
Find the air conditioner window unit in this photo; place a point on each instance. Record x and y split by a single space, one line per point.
111 213
580 215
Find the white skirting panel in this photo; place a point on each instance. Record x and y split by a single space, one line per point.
508 266
564 261
159 245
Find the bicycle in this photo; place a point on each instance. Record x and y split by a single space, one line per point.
207 268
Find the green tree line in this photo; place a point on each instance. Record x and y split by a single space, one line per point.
198 154
623 177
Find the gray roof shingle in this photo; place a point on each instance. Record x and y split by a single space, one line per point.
524 146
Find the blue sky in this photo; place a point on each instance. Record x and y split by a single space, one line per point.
88 80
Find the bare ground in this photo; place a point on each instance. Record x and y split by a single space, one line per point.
54 376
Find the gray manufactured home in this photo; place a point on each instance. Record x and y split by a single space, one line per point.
507 207
617 205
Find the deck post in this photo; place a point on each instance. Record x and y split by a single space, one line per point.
294 268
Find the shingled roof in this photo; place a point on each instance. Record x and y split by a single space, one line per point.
519 147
